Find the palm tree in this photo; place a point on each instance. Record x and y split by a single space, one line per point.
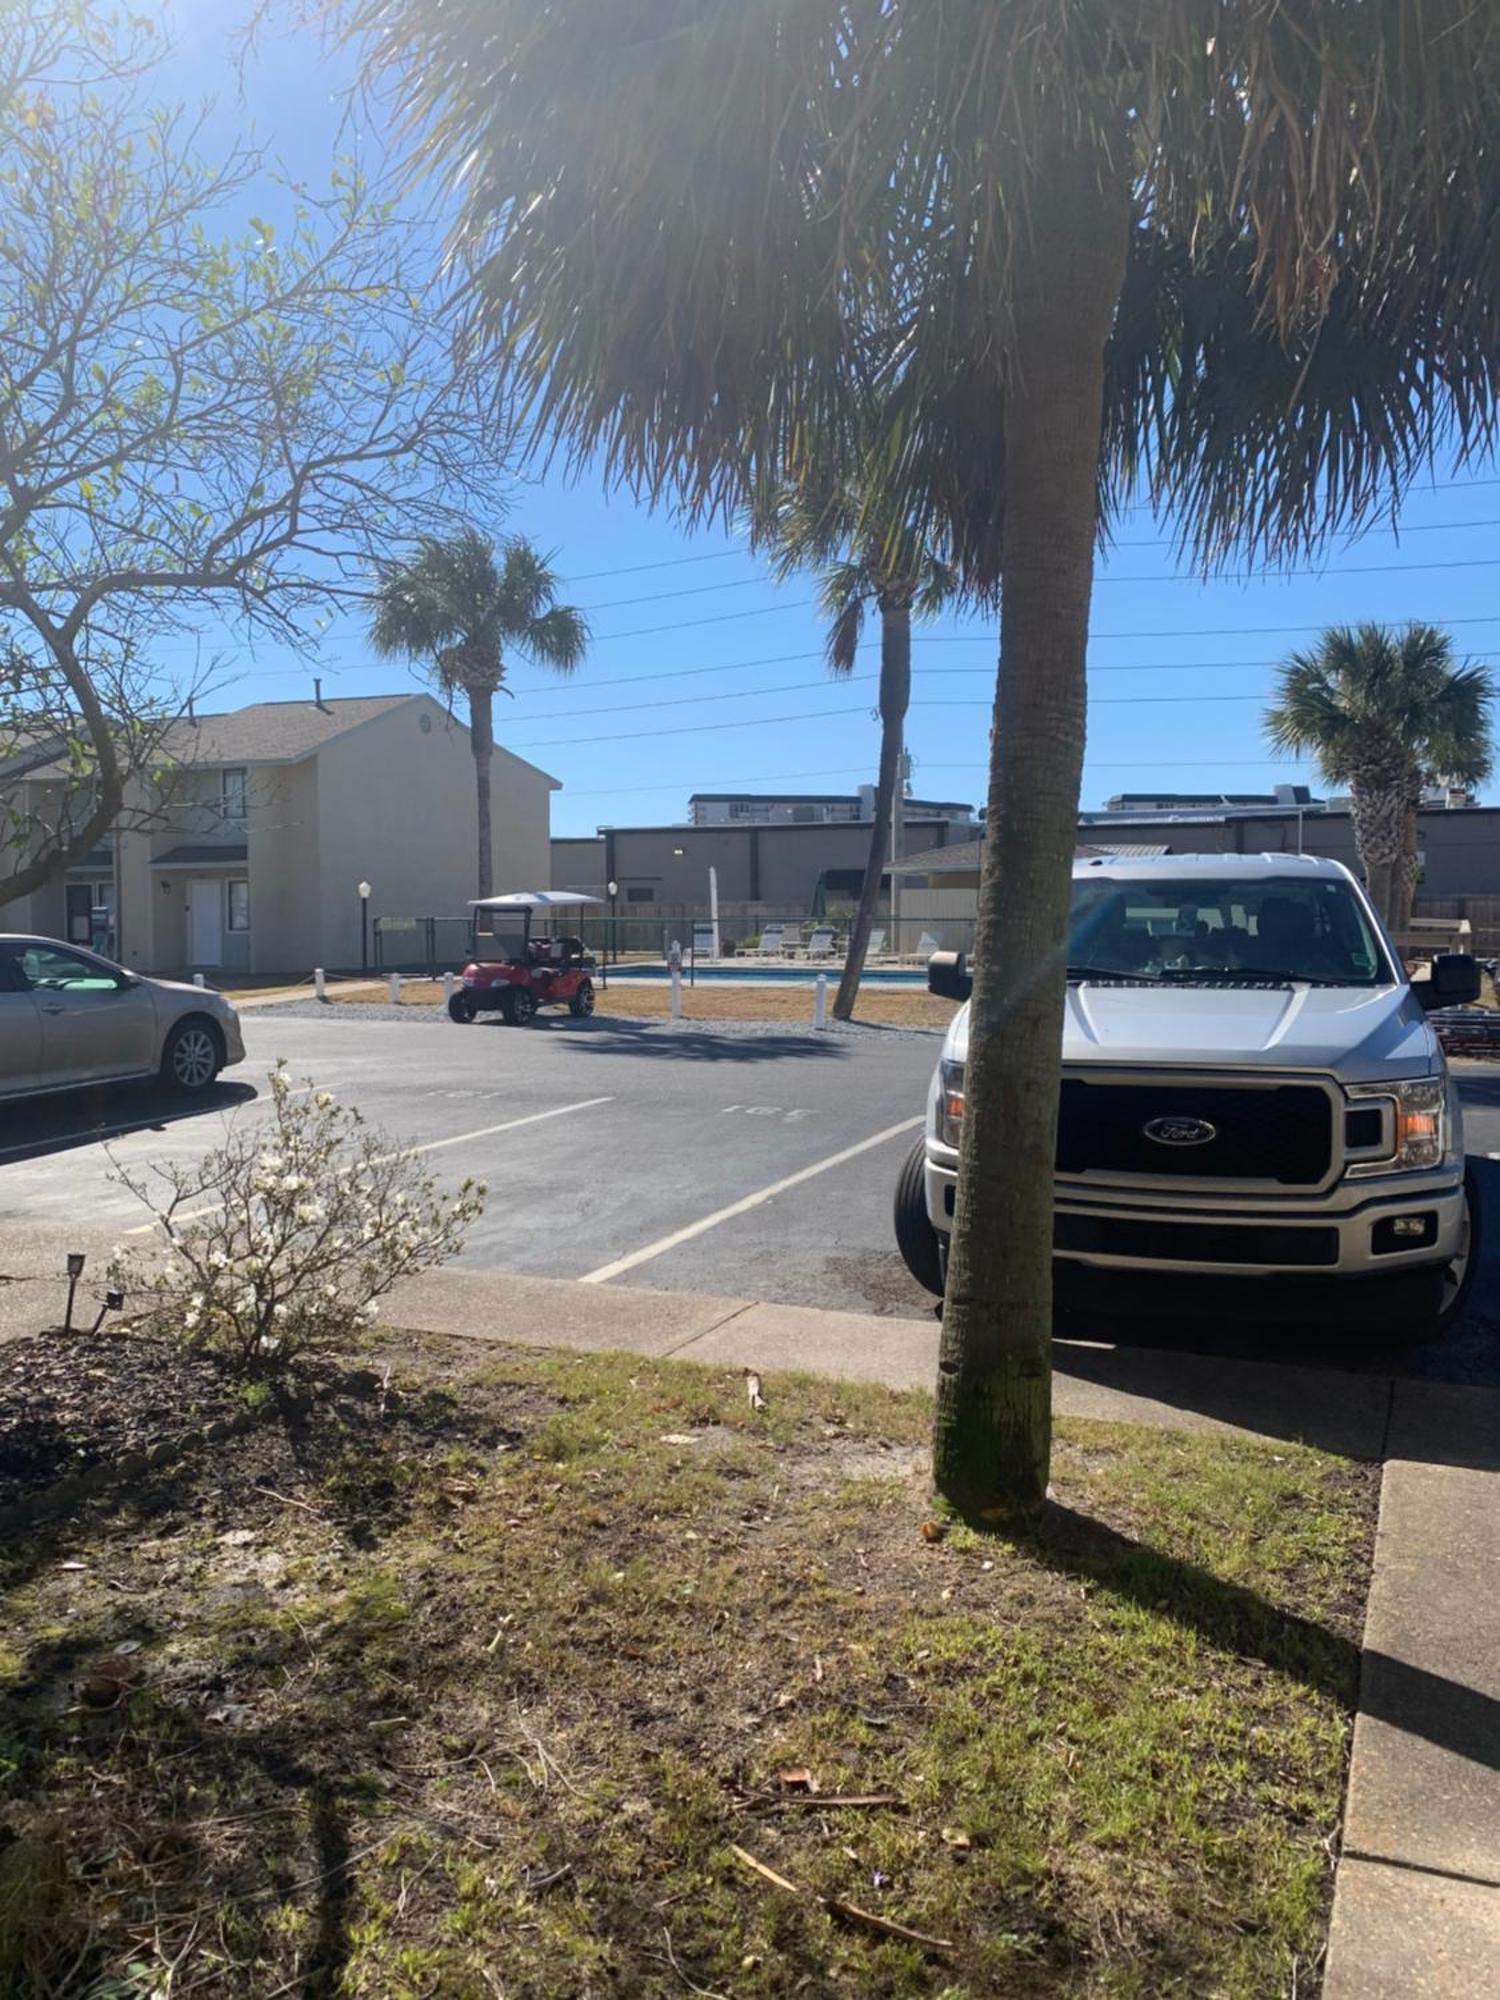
1385 713
1077 247
457 608
862 565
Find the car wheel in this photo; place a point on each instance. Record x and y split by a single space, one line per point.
522 1006
582 1003
916 1239
193 1056
461 1008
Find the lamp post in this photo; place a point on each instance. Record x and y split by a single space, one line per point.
613 889
364 926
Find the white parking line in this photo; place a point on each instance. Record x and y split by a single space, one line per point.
744 1205
431 1146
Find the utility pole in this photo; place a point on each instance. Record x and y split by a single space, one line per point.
898 812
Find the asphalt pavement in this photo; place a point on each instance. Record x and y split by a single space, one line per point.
755 1161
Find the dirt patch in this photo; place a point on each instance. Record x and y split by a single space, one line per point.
473 1676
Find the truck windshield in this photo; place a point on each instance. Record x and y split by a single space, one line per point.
1271 928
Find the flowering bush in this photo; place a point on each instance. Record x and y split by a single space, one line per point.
283 1239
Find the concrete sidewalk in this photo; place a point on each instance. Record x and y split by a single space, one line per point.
1417 1896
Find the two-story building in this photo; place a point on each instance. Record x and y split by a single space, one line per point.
247 854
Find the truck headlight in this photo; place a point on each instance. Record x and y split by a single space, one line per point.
951 1103
1417 1123
1420 1138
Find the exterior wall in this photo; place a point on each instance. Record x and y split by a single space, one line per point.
396 808
284 868
777 868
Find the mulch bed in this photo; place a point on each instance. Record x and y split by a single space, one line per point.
71 1402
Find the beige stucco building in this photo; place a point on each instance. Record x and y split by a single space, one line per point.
273 815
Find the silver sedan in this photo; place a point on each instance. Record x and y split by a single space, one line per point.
69 1017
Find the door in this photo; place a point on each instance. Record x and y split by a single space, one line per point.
20 1030
96 1021
205 923
80 900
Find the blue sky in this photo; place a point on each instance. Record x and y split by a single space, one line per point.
703 674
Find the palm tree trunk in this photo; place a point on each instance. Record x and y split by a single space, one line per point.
992 1442
1377 798
482 743
895 694
1409 864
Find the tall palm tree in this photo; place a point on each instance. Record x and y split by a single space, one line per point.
457 608
863 565
1250 263
1385 713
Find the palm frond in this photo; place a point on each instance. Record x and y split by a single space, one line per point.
557 638
845 631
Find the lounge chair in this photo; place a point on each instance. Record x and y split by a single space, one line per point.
927 944
876 944
791 943
770 941
820 944
703 940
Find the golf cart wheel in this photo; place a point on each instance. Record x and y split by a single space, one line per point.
461 1008
522 1009
582 1003
916 1238
193 1056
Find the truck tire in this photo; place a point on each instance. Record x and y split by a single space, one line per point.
1458 1277
916 1238
461 1008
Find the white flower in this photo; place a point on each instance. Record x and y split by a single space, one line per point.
323 1099
310 1211
370 1311
293 1183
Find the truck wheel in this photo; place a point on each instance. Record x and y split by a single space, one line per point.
461 1008
522 1009
916 1238
1458 1278
582 1003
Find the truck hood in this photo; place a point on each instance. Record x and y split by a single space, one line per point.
1366 1034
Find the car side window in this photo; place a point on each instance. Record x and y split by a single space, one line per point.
47 970
11 978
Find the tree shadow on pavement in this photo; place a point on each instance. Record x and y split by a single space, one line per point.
692 1043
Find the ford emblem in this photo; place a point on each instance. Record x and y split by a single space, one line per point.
1180 1131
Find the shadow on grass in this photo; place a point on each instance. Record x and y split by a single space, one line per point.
1453 1717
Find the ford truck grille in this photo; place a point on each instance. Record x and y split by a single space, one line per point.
1281 1134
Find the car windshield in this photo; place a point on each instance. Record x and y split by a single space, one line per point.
1272 928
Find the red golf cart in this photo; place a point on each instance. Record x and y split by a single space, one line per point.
512 972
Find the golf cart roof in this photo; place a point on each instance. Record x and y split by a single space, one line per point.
533 899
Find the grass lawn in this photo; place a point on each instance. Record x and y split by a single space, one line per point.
499 1681
890 1007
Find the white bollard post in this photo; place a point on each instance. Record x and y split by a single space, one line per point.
320 983
395 989
674 964
447 987
198 979
820 1001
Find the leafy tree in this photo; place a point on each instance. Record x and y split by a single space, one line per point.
1385 713
1245 255
453 606
863 564
202 415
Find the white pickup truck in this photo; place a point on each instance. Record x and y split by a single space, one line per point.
1251 1091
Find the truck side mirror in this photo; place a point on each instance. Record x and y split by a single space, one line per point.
948 975
1454 982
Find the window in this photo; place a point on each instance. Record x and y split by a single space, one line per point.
640 894
239 906
806 815
232 795
46 969
80 906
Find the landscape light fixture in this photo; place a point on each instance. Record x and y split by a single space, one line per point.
76 1262
364 926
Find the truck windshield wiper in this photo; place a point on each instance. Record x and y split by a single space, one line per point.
1111 973
1270 976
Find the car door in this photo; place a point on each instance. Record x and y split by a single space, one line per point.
96 1021
20 1029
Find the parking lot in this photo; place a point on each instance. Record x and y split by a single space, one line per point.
752 1161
